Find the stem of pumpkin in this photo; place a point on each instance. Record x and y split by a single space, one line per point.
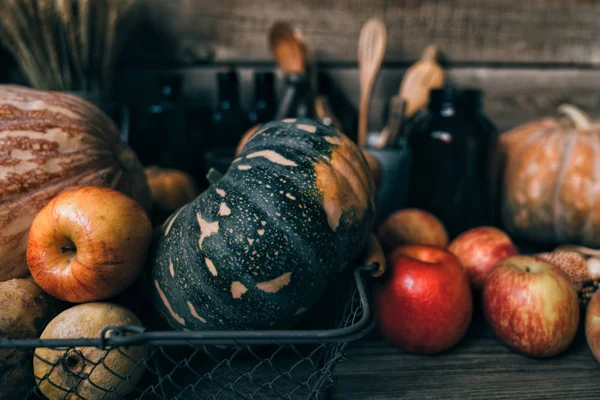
577 117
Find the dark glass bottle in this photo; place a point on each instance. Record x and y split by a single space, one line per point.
482 139
174 134
263 109
160 138
441 166
229 121
297 100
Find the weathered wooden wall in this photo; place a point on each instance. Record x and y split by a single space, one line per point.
528 56
468 31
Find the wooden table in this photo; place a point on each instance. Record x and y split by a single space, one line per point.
479 367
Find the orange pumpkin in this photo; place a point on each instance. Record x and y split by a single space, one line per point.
170 188
551 185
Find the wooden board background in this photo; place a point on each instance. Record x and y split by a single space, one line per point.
468 31
528 56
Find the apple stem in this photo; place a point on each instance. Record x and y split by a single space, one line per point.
67 249
527 269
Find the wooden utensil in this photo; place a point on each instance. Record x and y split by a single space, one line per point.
419 79
287 49
372 44
290 52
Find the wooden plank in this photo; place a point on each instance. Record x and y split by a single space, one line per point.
468 31
478 368
512 95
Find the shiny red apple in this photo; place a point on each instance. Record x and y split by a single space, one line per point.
423 303
88 244
479 249
592 324
531 306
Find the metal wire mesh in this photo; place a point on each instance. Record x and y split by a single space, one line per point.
125 363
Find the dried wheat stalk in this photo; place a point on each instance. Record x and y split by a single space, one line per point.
66 44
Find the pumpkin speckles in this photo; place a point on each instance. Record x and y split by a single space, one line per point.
300 311
221 192
194 313
244 167
260 232
238 289
224 210
289 196
273 156
307 128
206 229
171 269
166 303
250 241
275 285
210 266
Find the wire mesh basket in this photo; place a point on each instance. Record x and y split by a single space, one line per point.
292 364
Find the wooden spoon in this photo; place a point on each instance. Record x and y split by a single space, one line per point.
287 49
372 43
290 53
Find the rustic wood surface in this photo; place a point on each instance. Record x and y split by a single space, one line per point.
467 31
478 368
512 95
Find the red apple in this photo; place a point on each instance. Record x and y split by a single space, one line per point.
412 226
531 306
479 249
592 324
88 244
424 303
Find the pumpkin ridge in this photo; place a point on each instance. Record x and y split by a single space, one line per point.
513 164
356 191
229 264
205 289
588 228
270 211
557 210
364 172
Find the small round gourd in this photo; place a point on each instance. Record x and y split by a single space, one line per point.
170 188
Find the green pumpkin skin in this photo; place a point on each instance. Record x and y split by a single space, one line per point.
257 249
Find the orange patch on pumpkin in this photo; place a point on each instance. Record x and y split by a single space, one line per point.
274 285
343 182
238 289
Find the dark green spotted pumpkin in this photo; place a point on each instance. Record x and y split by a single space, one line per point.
257 248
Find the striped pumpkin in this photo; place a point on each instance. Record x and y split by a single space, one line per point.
51 142
257 248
